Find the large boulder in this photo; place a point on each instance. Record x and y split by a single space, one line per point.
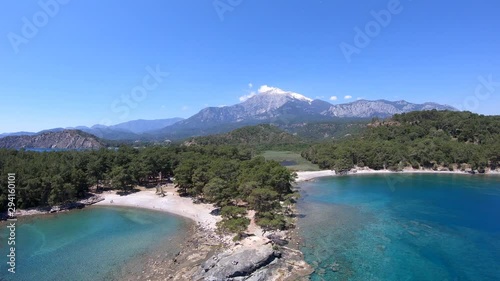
242 262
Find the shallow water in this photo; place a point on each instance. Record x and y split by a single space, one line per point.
402 227
95 243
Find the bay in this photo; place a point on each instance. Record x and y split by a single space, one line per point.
402 227
96 243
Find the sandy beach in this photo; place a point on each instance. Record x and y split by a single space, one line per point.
309 175
202 243
171 203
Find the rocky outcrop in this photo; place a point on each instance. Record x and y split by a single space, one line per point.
90 200
67 139
77 205
238 265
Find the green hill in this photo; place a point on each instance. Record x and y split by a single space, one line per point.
321 131
260 137
428 139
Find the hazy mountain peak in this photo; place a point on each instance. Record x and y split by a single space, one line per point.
267 90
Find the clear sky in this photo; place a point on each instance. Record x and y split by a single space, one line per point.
87 62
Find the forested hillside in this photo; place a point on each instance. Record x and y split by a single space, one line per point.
428 139
259 137
320 131
293 137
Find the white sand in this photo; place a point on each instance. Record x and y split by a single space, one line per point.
172 203
309 175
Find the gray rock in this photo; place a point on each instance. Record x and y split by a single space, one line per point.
276 239
242 263
66 139
261 275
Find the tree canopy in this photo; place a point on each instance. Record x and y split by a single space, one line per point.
226 176
428 139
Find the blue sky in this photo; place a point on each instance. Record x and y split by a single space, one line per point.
73 63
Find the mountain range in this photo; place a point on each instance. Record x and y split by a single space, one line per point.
269 105
124 131
66 139
279 107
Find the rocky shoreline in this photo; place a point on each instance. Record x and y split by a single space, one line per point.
204 253
90 200
207 256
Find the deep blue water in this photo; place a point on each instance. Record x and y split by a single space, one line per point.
402 227
96 243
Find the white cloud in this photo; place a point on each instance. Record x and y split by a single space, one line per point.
277 91
265 89
184 108
245 97
333 98
359 98
250 85
347 97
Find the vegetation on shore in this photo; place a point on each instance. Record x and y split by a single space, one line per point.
427 139
226 176
236 182
231 171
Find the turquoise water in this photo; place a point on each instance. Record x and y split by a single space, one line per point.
95 243
402 227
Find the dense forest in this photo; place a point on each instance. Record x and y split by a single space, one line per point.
224 175
256 138
291 137
320 131
427 139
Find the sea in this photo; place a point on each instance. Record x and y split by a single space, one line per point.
95 243
402 227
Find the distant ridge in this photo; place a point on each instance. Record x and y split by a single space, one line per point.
273 105
270 105
66 139
130 130
381 108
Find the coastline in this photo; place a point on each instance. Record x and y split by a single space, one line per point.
206 254
310 175
170 203
91 200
